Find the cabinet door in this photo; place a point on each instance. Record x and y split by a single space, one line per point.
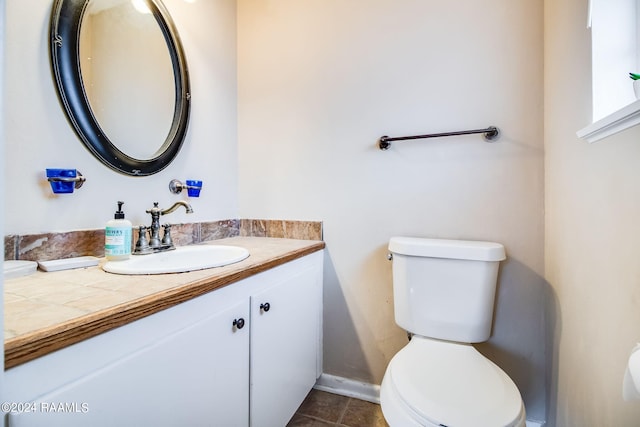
197 376
284 347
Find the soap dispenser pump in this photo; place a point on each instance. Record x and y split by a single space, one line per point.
117 237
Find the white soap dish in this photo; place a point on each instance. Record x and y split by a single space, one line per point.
19 268
68 263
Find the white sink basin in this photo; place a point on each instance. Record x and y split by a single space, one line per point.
180 260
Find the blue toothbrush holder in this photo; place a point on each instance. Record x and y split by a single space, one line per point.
192 186
64 181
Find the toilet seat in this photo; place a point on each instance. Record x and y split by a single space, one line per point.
441 383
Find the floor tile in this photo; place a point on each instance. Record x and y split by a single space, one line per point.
322 409
322 405
360 413
299 420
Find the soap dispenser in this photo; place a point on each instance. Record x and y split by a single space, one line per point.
117 237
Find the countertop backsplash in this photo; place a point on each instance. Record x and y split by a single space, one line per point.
49 246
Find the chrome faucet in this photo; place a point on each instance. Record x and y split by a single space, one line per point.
154 243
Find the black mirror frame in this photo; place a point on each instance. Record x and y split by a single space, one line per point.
64 47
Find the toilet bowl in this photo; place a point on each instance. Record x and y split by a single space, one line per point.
443 295
439 383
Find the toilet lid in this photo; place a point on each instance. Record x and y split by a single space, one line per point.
452 384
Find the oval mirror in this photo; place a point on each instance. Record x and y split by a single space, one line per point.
122 79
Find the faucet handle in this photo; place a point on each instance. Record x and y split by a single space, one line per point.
166 238
142 244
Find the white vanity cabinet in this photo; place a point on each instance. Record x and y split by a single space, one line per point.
217 360
285 333
194 374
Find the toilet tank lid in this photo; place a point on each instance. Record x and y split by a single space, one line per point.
442 248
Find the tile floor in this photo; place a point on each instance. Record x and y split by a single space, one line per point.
322 409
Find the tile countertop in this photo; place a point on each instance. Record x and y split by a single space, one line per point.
45 312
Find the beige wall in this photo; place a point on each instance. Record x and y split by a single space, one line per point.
321 80
592 236
37 135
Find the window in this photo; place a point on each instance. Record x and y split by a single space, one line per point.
615 38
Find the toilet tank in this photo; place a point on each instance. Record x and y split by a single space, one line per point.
445 289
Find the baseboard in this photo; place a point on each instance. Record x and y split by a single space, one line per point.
350 388
365 391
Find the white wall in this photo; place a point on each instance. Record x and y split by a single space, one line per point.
592 235
37 134
321 80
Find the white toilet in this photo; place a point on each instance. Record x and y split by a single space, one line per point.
443 294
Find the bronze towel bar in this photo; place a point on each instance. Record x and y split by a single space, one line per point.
490 134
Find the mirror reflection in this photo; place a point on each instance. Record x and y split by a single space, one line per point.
128 75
